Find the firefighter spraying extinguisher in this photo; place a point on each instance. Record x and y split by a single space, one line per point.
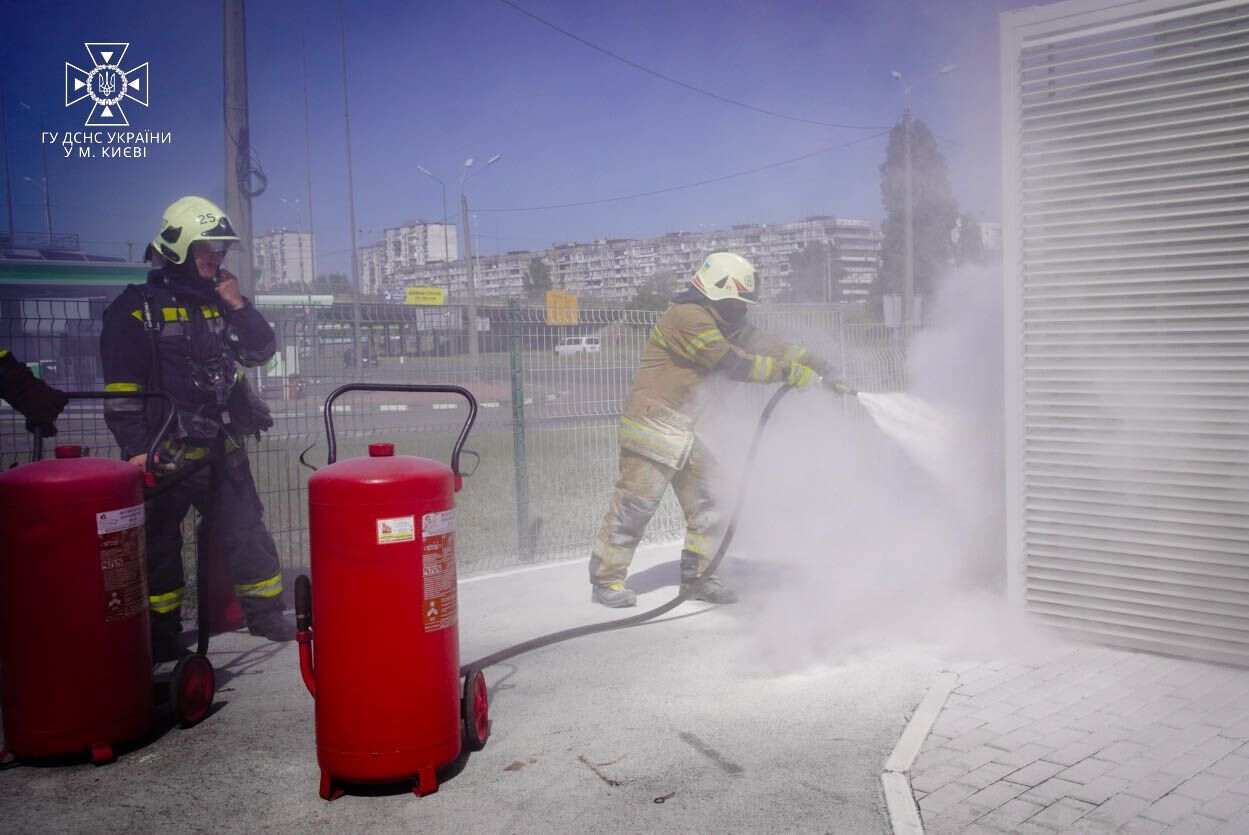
385 671
78 676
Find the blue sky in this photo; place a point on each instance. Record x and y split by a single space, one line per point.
433 83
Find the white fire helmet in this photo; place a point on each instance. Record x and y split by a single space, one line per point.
726 275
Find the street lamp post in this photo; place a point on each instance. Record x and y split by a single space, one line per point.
446 254
908 215
42 182
47 185
473 348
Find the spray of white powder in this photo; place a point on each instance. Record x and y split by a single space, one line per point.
879 522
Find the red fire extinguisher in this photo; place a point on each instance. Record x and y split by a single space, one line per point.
74 641
385 674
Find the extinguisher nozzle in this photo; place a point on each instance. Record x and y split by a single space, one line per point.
303 602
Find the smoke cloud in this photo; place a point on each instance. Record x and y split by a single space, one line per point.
858 534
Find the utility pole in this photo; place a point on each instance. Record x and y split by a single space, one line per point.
8 179
908 229
473 348
312 237
351 200
238 156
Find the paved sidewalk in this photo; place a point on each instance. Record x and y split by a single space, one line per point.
1088 739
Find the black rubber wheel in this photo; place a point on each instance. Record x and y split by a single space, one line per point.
191 689
475 711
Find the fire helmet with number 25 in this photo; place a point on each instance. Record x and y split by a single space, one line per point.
726 275
186 221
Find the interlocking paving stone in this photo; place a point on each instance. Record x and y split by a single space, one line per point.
1011 813
1117 810
1073 753
1233 765
1205 786
1170 808
1063 813
972 759
1226 806
938 801
1090 740
1100 790
1141 826
1023 755
1154 785
1035 773
1050 791
935 778
1086 770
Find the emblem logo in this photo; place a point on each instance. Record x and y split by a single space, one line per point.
106 84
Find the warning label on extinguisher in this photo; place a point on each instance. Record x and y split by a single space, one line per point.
438 567
123 558
399 529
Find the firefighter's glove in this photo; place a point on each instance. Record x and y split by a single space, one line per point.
800 376
40 403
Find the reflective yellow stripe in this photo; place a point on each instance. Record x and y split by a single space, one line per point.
698 544
4 352
761 372
123 387
173 314
612 555
271 587
706 338
163 604
210 311
658 338
794 354
138 314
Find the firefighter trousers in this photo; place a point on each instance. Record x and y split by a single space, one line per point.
234 519
639 489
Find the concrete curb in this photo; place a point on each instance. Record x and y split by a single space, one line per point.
904 816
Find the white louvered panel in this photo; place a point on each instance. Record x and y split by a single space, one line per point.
1126 236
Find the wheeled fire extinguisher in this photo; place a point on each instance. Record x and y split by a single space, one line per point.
385 672
75 646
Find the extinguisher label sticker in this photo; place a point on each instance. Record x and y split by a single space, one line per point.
111 521
438 568
399 529
123 558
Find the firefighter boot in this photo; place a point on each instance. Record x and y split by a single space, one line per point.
614 596
166 636
269 621
710 589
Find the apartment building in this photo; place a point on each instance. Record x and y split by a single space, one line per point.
404 250
612 270
283 257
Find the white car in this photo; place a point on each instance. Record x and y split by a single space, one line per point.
577 345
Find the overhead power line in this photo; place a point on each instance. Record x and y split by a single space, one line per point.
680 83
668 189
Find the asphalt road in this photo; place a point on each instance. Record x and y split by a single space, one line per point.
587 736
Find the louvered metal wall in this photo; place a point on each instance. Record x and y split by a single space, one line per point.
1126 235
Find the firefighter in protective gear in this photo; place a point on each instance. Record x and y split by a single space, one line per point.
38 402
189 332
704 331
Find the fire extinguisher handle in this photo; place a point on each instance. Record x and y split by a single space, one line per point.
170 412
416 388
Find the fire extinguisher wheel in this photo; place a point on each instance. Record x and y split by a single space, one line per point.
475 710
191 689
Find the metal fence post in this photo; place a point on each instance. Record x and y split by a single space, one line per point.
515 345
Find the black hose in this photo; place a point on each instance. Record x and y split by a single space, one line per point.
682 596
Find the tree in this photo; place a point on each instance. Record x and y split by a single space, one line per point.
336 283
969 243
934 210
537 279
656 293
815 274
